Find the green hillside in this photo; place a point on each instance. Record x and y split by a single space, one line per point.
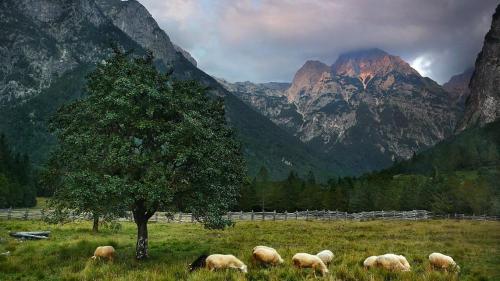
470 150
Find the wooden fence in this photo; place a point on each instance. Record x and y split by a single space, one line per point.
325 215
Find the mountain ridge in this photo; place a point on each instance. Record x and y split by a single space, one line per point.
48 47
368 104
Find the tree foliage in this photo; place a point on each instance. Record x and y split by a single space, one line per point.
142 142
469 192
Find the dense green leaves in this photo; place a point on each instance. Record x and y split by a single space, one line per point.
142 142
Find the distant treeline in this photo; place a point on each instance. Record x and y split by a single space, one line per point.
472 192
17 187
458 175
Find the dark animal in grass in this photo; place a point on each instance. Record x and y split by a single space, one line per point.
200 262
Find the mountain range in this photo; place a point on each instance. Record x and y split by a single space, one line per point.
47 47
361 113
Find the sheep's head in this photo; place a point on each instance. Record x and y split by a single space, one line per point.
244 269
198 263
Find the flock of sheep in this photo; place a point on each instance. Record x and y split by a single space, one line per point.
319 262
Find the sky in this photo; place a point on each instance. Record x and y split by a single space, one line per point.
269 40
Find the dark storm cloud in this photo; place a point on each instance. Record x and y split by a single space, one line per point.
269 40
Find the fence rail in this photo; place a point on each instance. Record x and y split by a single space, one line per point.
325 215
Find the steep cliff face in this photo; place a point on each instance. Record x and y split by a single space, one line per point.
43 39
48 46
269 100
483 104
366 110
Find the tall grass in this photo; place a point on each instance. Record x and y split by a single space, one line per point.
65 256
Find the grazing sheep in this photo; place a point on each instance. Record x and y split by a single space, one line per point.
200 262
393 262
370 262
107 252
266 255
303 260
441 261
217 261
326 256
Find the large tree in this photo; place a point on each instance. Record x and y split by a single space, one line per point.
142 141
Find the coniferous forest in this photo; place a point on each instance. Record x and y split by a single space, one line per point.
459 175
17 187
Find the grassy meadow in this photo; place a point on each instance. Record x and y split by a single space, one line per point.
65 256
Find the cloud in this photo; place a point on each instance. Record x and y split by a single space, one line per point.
268 40
423 65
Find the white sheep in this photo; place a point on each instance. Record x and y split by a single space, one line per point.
107 252
326 256
370 262
441 261
218 261
266 255
393 262
303 260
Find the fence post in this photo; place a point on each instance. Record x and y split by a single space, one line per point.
42 214
9 214
156 216
26 214
251 215
229 216
263 215
180 216
274 215
192 218
296 215
286 214
241 215
307 214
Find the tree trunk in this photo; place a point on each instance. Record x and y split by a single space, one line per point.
95 226
141 251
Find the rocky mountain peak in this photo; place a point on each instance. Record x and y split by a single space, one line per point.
305 78
483 103
366 64
366 110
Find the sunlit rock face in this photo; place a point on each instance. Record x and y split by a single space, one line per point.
366 110
483 104
305 79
